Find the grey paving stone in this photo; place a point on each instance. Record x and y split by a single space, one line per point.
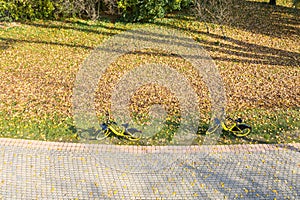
47 170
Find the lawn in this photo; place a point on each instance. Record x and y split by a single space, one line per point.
259 61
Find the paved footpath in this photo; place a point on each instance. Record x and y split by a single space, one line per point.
49 170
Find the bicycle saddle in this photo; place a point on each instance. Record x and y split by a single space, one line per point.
239 120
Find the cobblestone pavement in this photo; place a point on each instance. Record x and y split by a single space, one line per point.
48 170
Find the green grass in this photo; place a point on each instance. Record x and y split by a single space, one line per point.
257 61
49 128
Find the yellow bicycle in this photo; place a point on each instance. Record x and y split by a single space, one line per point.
238 128
110 128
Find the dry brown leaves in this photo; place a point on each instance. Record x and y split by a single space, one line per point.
151 94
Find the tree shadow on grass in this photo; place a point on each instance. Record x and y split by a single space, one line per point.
255 17
98 28
5 43
245 52
262 18
258 17
78 26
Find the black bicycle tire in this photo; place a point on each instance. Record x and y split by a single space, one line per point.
212 129
106 134
245 127
82 136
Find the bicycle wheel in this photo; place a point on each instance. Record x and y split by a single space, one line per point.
102 135
214 127
241 130
130 136
84 135
87 134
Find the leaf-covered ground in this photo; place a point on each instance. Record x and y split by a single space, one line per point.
259 61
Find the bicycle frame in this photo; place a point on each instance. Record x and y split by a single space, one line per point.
120 131
108 128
